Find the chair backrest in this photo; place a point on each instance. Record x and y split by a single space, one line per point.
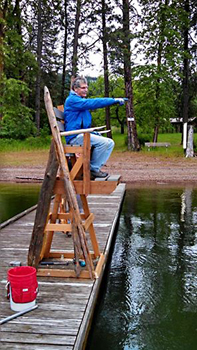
60 118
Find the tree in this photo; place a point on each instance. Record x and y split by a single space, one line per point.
161 45
44 28
17 64
65 42
189 23
76 38
133 143
105 66
3 12
39 57
120 37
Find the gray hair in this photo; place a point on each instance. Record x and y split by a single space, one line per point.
76 83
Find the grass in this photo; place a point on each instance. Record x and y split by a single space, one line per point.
175 150
30 144
35 149
119 142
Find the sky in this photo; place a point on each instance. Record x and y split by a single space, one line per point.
97 59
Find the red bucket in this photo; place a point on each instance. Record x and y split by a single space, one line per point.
23 284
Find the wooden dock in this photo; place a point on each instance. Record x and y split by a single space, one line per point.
65 306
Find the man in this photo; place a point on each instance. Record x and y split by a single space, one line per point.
77 116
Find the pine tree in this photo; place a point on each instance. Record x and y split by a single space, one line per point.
161 44
17 63
133 142
44 28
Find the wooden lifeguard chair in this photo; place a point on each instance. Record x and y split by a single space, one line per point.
67 177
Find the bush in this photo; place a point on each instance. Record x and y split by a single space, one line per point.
16 122
142 138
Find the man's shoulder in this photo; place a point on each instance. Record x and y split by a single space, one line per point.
73 96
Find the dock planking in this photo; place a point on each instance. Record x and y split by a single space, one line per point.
65 305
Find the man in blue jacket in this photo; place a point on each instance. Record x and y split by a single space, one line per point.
77 116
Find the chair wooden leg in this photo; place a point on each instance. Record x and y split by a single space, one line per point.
49 235
91 227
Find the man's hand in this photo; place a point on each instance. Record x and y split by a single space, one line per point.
121 101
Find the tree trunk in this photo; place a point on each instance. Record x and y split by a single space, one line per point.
106 72
65 51
159 58
190 142
3 11
38 78
76 38
186 68
1 43
122 128
156 132
133 143
121 122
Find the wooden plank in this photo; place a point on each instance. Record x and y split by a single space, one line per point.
61 108
37 338
88 221
73 149
39 328
66 255
76 167
96 187
92 233
86 164
62 273
48 235
59 227
8 346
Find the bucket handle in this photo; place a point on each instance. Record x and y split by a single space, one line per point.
7 288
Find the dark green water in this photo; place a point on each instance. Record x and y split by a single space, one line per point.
149 296
15 198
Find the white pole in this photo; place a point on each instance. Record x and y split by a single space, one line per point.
18 314
184 135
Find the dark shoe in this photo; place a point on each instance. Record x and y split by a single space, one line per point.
99 173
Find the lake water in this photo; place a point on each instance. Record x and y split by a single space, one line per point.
15 198
149 294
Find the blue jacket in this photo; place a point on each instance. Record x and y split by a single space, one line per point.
76 111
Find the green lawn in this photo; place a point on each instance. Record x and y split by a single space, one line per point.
175 150
40 143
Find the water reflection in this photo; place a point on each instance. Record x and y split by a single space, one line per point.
151 287
15 198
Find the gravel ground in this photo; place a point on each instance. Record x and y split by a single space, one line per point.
133 167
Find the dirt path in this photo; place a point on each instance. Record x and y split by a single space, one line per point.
133 167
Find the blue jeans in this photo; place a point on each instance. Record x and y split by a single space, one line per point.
102 148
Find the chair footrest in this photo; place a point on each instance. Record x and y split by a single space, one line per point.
108 178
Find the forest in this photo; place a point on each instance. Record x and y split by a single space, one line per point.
147 50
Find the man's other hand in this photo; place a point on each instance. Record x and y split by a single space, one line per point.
121 101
